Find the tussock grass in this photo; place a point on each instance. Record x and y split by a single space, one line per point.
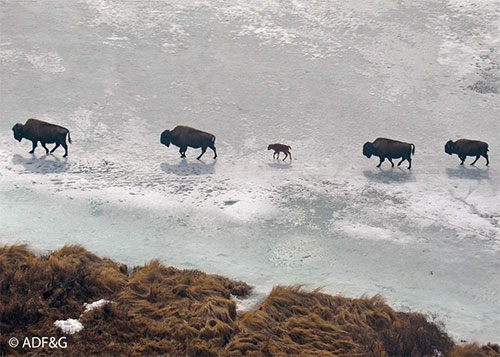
159 310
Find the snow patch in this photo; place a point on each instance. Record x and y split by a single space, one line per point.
94 305
69 326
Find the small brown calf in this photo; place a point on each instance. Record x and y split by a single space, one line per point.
285 149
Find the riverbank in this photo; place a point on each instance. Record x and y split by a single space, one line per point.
159 310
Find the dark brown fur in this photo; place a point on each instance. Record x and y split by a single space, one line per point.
389 149
285 149
43 132
465 147
185 136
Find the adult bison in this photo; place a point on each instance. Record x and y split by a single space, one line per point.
43 132
185 136
465 147
389 149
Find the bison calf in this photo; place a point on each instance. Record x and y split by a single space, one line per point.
43 132
389 149
285 149
185 136
465 147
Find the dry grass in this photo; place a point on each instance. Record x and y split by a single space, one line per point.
291 321
160 310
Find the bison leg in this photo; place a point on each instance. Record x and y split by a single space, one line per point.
203 149
403 159
409 161
486 157
289 153
35 142
46 150
55 147
463 159
286 155
477 158
381 161
65 148
182 151
390 160
214 150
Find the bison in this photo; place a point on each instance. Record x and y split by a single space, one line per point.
465 147
389 149
43 132
185 136
285 149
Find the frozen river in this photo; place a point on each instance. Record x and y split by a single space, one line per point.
321 76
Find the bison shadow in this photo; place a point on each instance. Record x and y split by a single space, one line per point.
390 175
185 168
472 173
41 165
279 164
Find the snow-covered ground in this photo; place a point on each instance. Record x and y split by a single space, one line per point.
321 76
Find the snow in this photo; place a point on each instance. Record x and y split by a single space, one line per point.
323 77
95 304
69 326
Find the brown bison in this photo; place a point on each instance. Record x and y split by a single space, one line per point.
389 149
185 136
43 132
285 149
465 147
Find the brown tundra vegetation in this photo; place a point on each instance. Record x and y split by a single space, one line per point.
158 310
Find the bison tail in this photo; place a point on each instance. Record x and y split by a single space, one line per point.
289 147
412 149
213 139
69 137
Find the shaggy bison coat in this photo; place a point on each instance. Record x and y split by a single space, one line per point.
389 149
185 136
465 147
43 132
285 149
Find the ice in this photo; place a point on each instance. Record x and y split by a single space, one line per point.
323 77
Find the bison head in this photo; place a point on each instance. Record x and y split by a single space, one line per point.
269 147
165 138
368 149
449 148
18 130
